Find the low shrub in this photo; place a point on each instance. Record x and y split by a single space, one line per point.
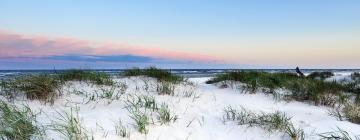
17 124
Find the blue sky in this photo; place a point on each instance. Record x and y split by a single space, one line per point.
239 34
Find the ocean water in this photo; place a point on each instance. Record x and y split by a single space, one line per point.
184 72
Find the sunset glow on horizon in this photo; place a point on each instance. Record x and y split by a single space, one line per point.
38 34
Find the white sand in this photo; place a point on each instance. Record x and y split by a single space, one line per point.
200 116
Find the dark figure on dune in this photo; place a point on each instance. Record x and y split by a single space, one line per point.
299 72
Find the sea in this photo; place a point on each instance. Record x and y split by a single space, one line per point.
189 73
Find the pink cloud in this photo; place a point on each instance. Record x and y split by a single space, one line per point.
13 45
16 45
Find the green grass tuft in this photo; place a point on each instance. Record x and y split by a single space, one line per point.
142 120
159 74
146 101
165 88
121 130
98 78
17 124
41 87
68 124
300 88
338 135
271 122
165 116
34 87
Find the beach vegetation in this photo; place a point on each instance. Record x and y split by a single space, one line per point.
18 123
294 133
352 113
69 125
355 77
41 87
159 74
9 89
110 93
320 75
299 88
98 78
165 116
336 113
141 118
122 130
165 88
145 101
339 134
271 122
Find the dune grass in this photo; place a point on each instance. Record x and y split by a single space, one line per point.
300 88
8 89
159 74
41 87
320 75
17 123
254 80
268 121
122 130
165 116
46 87
142 120
98 78
294 133
165 88
271 122
145 101
356 77
315 90
352 113
143 109
140 117
68 124
320 92
338 135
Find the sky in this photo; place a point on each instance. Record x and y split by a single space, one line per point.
102 34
